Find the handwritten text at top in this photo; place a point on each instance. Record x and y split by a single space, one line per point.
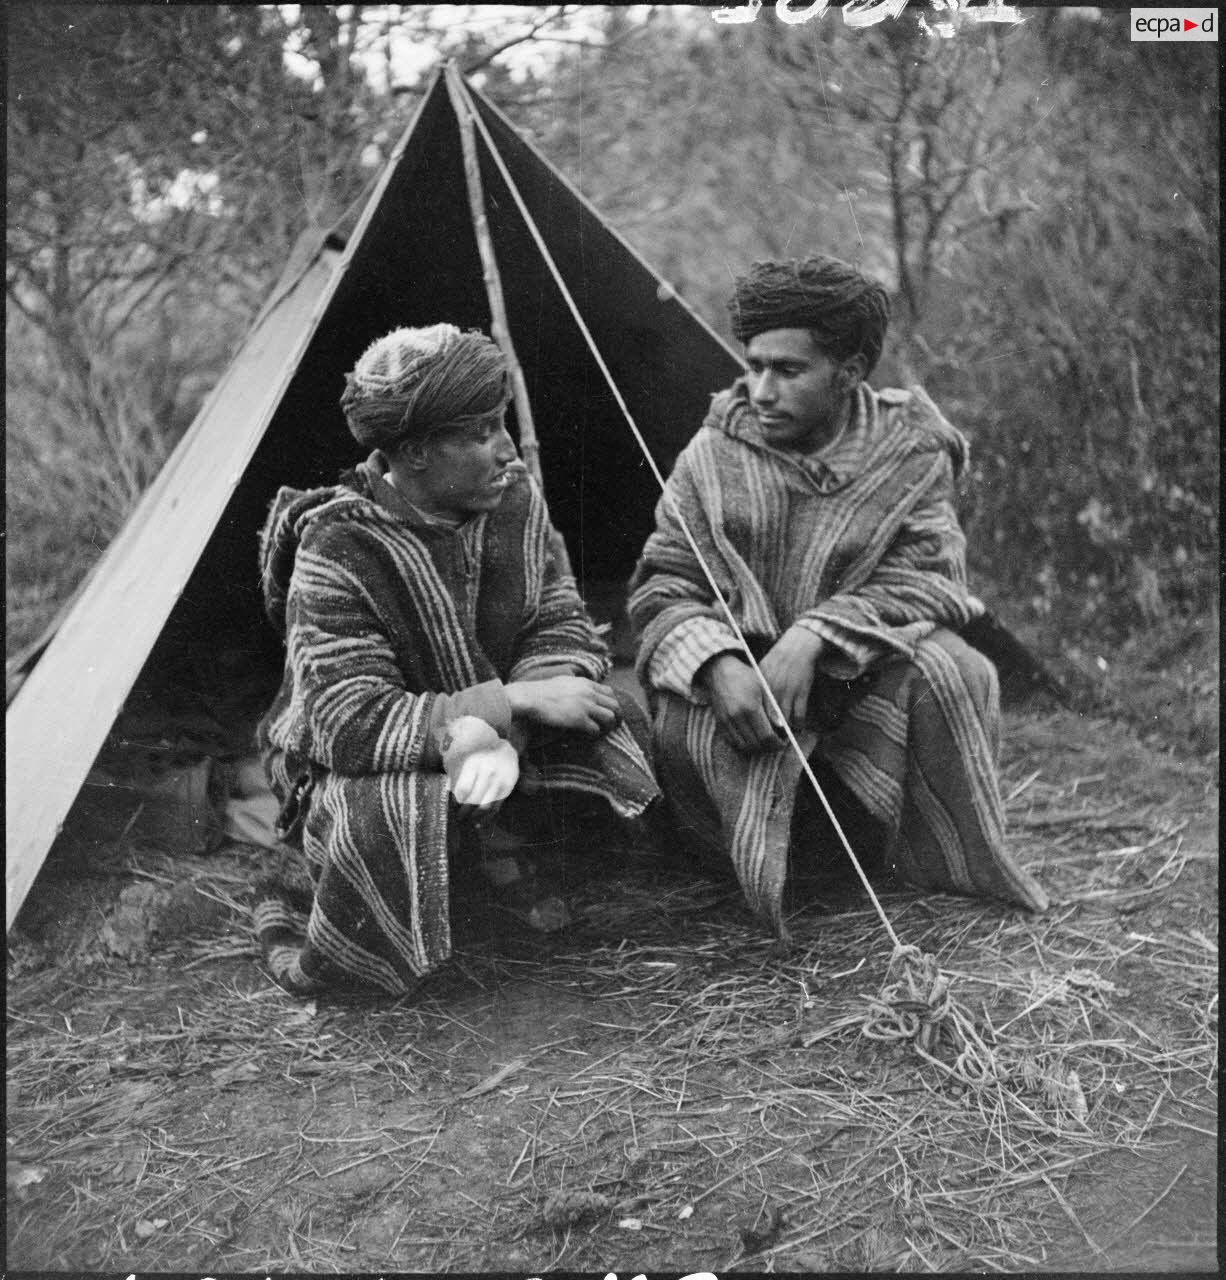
867 13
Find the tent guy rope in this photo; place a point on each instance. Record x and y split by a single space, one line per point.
893 1015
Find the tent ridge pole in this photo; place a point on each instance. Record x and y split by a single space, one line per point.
529 446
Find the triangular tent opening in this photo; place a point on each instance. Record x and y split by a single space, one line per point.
183 573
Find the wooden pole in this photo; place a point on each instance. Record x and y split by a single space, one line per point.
529 446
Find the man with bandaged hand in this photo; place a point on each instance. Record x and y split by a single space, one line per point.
441 673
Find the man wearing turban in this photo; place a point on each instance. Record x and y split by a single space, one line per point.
438 664
824 510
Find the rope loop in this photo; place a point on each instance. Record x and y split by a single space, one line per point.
916 1004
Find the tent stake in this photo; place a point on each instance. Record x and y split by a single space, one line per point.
529 446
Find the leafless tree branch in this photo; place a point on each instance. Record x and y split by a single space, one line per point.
478 64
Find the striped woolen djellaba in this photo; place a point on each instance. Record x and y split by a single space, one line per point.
859 543
393 628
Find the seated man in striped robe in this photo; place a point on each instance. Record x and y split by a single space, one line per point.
824 512
438 663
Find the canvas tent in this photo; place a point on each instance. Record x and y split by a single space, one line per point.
184 565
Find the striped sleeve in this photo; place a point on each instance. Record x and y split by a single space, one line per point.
678 657
354 711
671 605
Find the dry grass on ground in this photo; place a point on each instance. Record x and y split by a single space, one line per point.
658 1088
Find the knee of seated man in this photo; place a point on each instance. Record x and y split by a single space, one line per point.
977 670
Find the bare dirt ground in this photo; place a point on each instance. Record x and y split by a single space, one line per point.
658 1087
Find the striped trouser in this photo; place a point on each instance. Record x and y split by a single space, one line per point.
916 744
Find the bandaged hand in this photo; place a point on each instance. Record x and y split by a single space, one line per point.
789 668
482 768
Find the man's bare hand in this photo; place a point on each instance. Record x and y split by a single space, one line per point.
566 702
740 704
789 668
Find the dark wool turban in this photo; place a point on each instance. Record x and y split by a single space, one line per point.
847 311
414 382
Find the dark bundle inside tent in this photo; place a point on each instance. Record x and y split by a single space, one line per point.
175 600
